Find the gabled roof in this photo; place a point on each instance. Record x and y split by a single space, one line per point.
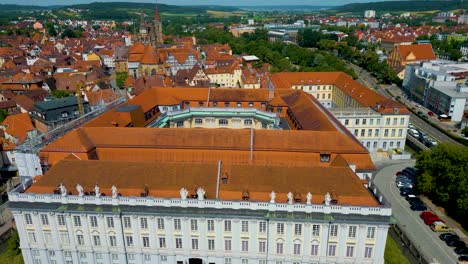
419 51
149 56
17 126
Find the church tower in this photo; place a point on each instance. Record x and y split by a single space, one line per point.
157 27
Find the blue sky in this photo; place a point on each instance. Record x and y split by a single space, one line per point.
196 2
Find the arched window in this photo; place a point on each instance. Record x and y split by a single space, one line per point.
314 249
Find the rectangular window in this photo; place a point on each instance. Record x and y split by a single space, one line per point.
32 237
369 133
115 256
48 237
393 133
279 248
127 222
210 225
280 228
402 121
400 132
96 240
378 122
247 122
223 122
314 250
44 219
178 242
227 225
356 132
245 245
262 227
110 222
371 121
349 251
298 229
93 221
297 249
370 232
145 241
357 121
386 133
129 241
194 243
77 220
64 238
376 132
160 223
364 121
262 246
333 230
244 226
352 232
346 122
80 240
144 223
112 241
211 244
331 250
193 224
162 242
198 121
363 132
395 121
315 230
368 252
227 245
61 220
245 261
387 121
177 225
227 261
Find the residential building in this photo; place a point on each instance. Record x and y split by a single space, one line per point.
369 13
463 19
378 123
403 55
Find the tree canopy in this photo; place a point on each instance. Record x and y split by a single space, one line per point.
443 177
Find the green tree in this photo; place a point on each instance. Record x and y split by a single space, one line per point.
68 33
60 94
120 78
3 114
465 131
443 177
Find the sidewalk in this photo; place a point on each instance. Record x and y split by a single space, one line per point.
449 221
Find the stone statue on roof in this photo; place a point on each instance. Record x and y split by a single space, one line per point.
97 191
290 198
115 193
79 189
201 194
63 190
272 197
183 194
309 198
327 198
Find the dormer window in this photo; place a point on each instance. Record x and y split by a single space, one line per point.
325 157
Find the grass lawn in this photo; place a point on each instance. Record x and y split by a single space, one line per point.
393 253
6 258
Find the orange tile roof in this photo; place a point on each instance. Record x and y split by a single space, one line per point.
149 56
17 126
166 179
420 51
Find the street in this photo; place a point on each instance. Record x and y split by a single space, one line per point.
366 79
425 240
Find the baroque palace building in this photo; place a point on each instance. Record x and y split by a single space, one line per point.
198 175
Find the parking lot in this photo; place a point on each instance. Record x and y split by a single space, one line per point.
425 240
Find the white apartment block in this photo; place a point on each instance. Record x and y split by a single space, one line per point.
369 13
57 228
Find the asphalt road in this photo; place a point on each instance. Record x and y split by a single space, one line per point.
366 79
425 240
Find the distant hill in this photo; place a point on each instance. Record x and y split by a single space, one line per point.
284 8
398 6
124 10
10 8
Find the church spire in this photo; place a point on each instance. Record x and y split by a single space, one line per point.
156 12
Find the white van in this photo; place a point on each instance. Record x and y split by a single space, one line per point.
414 133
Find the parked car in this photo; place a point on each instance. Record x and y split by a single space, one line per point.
410 125
413 132
431 143
400 184
426 214
431 219
461 250
418 207
416 202
439 226
409 172
430 113
420 113
463 258
455 243
446 236
405 191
